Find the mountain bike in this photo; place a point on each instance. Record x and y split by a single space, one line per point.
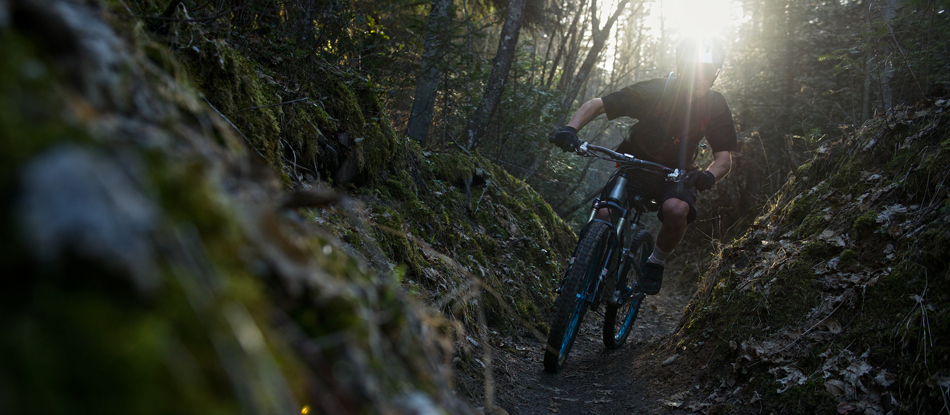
607 262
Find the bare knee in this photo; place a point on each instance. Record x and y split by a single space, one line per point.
676 212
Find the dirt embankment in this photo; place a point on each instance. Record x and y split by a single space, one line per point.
836 299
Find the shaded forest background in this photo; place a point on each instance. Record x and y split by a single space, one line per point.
498 77
134 125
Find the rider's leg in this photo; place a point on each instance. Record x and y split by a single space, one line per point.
675 215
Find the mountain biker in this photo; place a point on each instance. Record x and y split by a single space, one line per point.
674 114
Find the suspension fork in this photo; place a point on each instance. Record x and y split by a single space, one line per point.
595 293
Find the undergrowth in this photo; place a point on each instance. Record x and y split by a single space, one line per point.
837 295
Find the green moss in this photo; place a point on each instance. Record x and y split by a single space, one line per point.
798 208
812 397
849 258
231 83
803 169
817 250
397 247
793 294
454 168
29 110
812 225
866 222
934 245
80 348
401 188
302 129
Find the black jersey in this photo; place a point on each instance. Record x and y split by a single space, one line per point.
670 126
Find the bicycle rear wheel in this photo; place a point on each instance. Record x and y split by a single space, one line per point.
571 305
619 318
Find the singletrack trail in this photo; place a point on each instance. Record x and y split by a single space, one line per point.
629 380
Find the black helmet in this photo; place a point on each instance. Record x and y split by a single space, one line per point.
699 50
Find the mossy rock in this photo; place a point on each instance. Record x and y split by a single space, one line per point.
224 307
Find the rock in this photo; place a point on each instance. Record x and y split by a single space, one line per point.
84 201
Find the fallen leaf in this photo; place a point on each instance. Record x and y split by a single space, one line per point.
836 388
793 377
832 326
885 216
857 369
885 379
833 238
670 360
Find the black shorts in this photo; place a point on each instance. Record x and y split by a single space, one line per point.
659 190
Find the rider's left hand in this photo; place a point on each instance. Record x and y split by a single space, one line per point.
566 139
701 180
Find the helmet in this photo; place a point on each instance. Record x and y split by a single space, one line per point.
698 50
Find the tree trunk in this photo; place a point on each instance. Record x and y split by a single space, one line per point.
570 192
564 39
599 40
888 13
547 54
423 105
868 68
499 73
570 61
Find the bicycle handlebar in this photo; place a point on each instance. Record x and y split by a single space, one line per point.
630 160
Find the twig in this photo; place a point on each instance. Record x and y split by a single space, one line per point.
480 199
177 20
901 50
272 105
815 325
486 356
235 128
474 280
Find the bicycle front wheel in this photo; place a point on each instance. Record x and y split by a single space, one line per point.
571 305
619 318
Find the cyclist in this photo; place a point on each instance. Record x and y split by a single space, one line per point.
674 114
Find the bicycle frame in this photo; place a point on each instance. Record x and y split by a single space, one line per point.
620 208
619 216
603 258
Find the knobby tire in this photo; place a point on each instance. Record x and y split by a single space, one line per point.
571 305
619 318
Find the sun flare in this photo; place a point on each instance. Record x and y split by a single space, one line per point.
698 17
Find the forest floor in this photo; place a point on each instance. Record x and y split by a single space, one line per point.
642 377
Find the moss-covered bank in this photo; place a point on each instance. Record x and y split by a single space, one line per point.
148 269
144 164
837 297
444 223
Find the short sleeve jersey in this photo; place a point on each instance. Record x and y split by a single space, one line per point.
670 127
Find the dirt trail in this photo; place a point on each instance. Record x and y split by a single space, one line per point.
630 380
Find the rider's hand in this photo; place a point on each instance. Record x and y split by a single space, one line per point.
566 139
701 180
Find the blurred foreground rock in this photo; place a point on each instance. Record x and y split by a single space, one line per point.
148 267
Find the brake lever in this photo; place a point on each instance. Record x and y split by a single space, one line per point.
581 149
677 175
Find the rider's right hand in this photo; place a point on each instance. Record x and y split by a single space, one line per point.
701 180
566 139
